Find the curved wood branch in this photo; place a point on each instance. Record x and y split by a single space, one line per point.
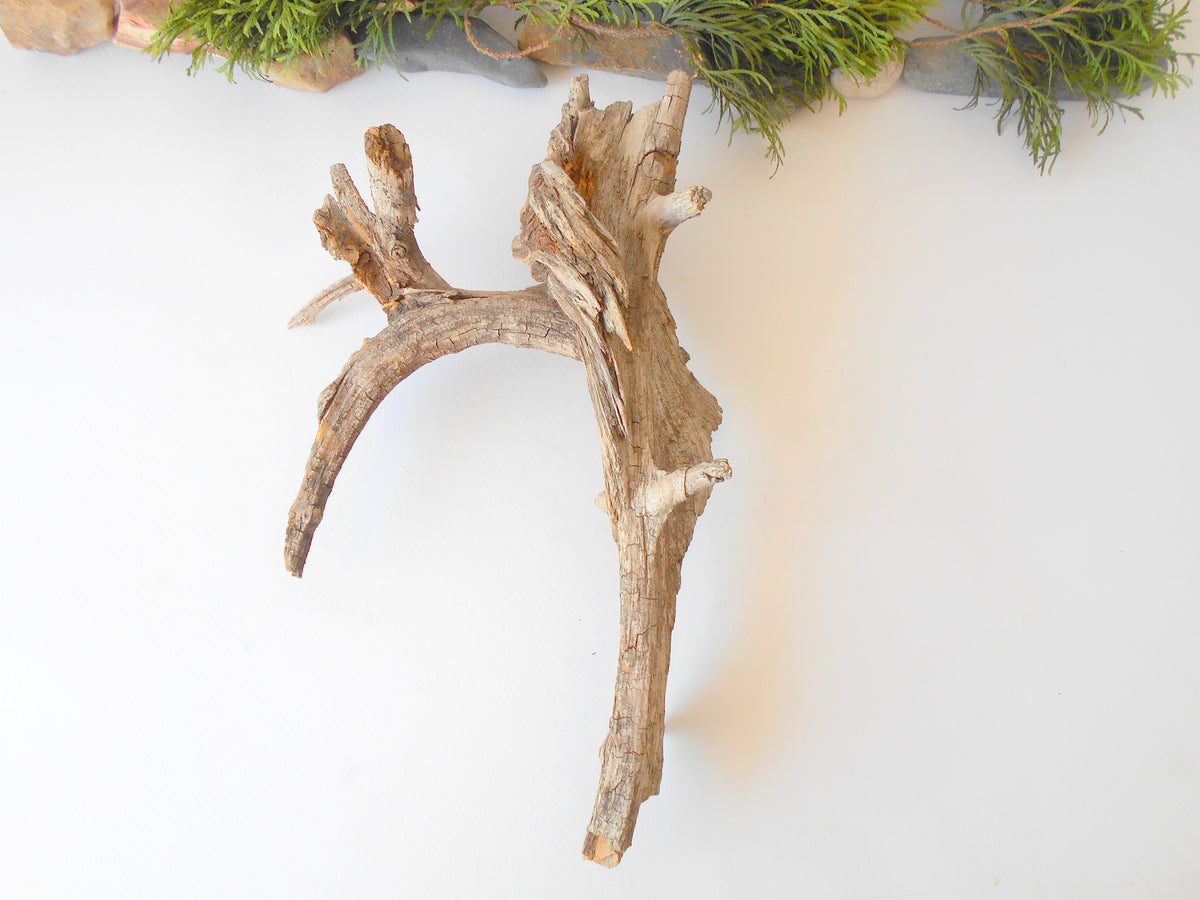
446 322
599 211
337 291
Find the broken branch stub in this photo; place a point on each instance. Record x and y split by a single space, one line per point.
598 213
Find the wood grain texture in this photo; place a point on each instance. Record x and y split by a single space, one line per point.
599 210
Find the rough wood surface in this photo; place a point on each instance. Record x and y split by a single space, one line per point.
598 213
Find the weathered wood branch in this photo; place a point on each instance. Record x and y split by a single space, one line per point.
443 322
598 213
326 298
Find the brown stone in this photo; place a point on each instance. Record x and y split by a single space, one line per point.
59 26
139 19
310 73
649 52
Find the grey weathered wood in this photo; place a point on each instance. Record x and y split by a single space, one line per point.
598 213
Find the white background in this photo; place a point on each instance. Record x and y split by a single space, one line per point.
937 637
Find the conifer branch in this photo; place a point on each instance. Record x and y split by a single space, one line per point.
940 24
1004 26
764 59
1034 52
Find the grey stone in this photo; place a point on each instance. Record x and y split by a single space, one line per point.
447 49
940 67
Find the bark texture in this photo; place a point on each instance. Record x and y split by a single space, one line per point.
593 229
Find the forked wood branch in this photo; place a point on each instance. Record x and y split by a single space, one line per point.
598 213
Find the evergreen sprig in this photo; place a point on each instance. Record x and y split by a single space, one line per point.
764 59
1037 52
252 34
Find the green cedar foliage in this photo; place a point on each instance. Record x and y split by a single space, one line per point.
252 34
1097 51
764 59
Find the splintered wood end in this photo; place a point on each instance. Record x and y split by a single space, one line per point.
597 849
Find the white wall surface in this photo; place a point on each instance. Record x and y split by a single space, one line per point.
937 637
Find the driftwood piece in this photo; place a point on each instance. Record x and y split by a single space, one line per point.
599 210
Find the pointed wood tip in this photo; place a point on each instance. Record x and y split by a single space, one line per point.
597 849
675 98
295 552
580 96
294 566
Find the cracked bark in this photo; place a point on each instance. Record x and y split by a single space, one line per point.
593 229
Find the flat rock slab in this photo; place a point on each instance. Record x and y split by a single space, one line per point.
446 48
937 66
649 53
57 26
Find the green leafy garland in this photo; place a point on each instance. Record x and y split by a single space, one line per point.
762 59
253 34
765 58
1098 51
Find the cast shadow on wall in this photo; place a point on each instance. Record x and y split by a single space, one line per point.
774 363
